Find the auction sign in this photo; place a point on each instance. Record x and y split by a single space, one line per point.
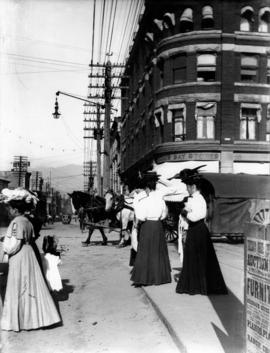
257 288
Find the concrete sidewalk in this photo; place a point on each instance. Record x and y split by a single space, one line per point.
210 324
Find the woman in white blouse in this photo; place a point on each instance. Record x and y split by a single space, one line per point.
152 265
201 272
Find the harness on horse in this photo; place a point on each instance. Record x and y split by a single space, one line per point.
122 203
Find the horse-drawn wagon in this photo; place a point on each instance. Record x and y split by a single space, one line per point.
239 198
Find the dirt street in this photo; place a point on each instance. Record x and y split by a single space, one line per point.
100 309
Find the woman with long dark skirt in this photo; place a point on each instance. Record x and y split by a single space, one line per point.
201 273
152 265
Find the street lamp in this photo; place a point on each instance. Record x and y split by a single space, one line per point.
56 115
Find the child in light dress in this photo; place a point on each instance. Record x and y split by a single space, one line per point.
51 262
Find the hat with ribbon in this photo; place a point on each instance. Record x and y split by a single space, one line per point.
8 195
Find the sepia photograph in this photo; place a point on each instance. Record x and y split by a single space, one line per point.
135 176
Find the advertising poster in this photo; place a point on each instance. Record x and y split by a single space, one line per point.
257 296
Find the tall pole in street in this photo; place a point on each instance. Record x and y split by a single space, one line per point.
107 120
98 152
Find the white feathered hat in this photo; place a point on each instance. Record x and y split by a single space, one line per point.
8 195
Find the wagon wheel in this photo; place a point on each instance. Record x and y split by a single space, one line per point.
171 232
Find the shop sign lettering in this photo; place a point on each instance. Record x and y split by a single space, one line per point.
257 296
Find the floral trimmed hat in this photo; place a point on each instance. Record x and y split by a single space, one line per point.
8 195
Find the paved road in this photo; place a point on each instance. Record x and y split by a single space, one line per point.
101 311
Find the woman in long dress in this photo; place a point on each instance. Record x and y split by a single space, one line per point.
201 273
152 264
28 304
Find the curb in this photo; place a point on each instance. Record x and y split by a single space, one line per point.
179 344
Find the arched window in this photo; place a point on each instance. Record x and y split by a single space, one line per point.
168 20
264 20
207 17
206 67
186 20
247 19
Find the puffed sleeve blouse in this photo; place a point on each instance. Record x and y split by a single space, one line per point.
21 229
196 207
151 207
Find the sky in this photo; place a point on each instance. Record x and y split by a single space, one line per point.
46 46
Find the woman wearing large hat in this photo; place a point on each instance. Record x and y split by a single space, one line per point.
152 265
28 304
201 273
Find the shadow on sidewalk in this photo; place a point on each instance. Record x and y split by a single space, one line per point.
63 295
231 314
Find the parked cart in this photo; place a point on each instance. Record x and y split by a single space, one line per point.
239 198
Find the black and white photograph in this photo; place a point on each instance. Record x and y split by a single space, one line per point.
134 176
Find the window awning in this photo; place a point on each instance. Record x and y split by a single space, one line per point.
246 9
256 107
207 12
263 11
169 18
206 109
187 15
159 24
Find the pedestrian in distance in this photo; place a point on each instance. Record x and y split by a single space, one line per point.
201 273
28 303
152 264
50 263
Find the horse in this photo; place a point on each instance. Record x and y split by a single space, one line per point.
90 208
121 207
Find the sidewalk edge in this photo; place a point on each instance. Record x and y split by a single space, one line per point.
167 324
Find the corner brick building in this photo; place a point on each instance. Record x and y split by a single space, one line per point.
198 74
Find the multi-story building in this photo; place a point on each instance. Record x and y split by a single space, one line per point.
199 87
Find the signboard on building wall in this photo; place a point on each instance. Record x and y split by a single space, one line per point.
257 289
189 156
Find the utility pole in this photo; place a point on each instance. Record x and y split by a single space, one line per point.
107 121
108 87
20 165
99 190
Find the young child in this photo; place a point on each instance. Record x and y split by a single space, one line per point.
51 262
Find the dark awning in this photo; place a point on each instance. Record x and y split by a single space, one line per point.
240 185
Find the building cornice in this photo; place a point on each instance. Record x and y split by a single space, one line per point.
250 98
189 97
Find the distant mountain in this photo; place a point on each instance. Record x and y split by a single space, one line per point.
64 179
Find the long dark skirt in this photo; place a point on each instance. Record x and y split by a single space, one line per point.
201 273
152 264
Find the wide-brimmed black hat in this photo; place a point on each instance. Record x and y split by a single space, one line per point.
188 174
150 176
